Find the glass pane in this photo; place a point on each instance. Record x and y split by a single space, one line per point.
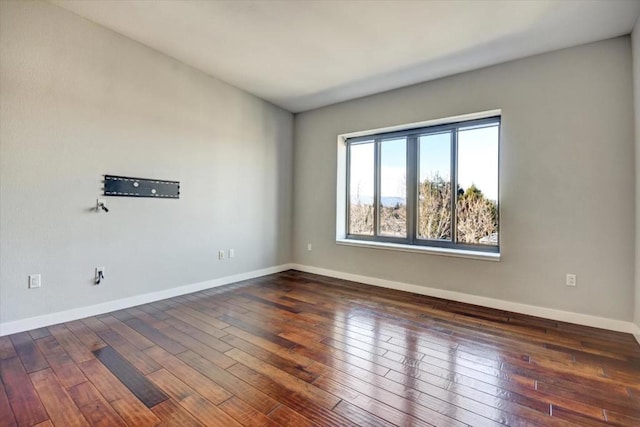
434 187
477 204
361 189
393 187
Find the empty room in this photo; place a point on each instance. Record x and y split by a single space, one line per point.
319 213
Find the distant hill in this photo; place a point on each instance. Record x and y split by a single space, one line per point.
386 201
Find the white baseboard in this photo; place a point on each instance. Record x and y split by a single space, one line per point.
532 310
106 307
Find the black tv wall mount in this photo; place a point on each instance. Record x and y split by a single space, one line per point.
126 186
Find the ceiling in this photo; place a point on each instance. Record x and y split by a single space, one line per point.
302 54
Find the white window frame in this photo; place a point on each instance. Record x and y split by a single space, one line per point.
341 193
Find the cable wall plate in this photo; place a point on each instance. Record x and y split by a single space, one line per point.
126 186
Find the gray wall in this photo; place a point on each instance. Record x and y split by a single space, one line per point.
78 101
567 180
636 86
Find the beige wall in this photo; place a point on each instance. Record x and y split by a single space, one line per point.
78 101
566 174
635 42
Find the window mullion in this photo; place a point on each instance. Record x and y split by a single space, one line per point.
376 188
412 187
454 185
348 201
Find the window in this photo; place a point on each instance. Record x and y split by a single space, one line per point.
430 186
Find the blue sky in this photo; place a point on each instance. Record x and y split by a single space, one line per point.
477 162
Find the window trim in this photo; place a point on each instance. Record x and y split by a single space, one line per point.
412 132
433 250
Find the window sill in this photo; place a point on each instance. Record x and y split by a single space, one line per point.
460 253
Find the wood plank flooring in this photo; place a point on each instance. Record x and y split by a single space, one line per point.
297 349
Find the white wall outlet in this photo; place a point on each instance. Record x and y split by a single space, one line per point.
232 253
35 281
220 254
99 277
572 280
309 247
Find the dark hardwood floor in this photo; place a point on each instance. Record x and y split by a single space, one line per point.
297 349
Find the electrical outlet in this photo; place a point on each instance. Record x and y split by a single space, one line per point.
572 280
220 254
35 281
309 247
232 253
